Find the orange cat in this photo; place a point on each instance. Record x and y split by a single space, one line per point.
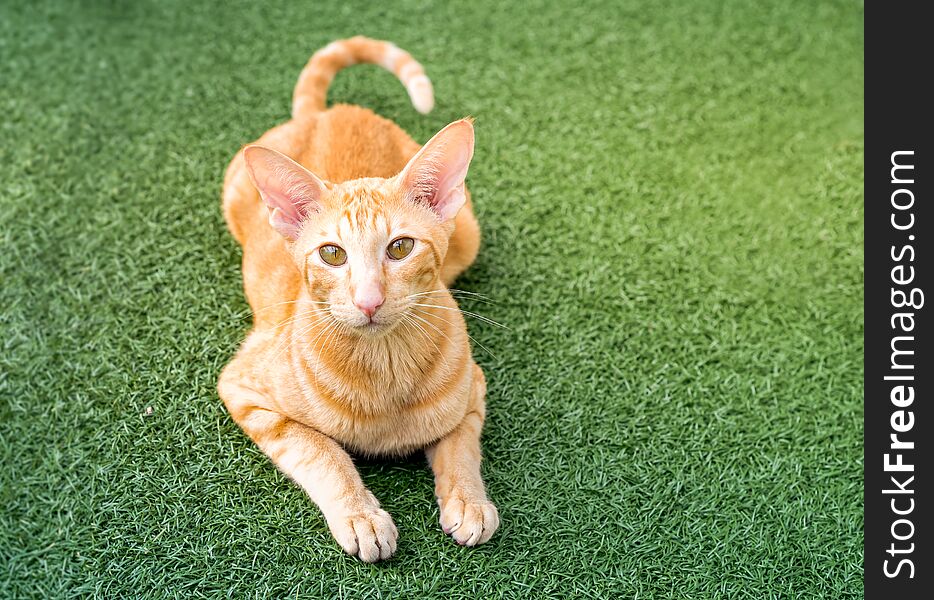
350 235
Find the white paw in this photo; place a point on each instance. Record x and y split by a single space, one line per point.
370 535
469 523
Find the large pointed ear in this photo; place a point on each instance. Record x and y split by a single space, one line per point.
290 191
435 176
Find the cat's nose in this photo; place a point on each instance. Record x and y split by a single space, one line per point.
368 301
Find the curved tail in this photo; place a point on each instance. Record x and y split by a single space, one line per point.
312 88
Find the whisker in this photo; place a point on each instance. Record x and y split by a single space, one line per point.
287 338
323 346
466 312
470 337
463 295
407 319
308 328
249 312
456 291
307 313
270 306
472 295
487 350
432 325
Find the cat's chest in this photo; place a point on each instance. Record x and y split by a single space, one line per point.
382 413
389 433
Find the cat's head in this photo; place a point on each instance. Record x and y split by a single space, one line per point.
366 247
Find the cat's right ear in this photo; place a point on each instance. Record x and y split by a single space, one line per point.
290 191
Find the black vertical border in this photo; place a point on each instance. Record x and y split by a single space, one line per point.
899 69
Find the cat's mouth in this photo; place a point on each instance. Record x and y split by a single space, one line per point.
376 324
372 327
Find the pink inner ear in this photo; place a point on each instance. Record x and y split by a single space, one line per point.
289 190
288 227
276 197
435 176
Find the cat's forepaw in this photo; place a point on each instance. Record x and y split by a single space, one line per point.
370 535
469 523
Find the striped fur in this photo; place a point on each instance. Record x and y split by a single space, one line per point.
307 384
312 89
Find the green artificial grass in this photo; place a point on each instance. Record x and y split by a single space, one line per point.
671 202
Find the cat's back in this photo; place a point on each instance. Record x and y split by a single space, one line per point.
350 142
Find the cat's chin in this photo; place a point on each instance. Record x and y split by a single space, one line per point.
372 329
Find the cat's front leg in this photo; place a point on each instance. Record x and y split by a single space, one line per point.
466 513
321 467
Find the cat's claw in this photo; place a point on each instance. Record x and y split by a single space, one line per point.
370 535
469 523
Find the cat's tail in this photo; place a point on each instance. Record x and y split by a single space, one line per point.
312 88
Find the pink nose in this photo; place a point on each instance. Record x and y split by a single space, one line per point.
368 302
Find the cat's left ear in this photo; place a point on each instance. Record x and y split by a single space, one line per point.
290 191
435 176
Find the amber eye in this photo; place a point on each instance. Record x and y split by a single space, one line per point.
400 248
332 255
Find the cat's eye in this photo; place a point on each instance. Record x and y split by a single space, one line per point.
400 248
332 255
